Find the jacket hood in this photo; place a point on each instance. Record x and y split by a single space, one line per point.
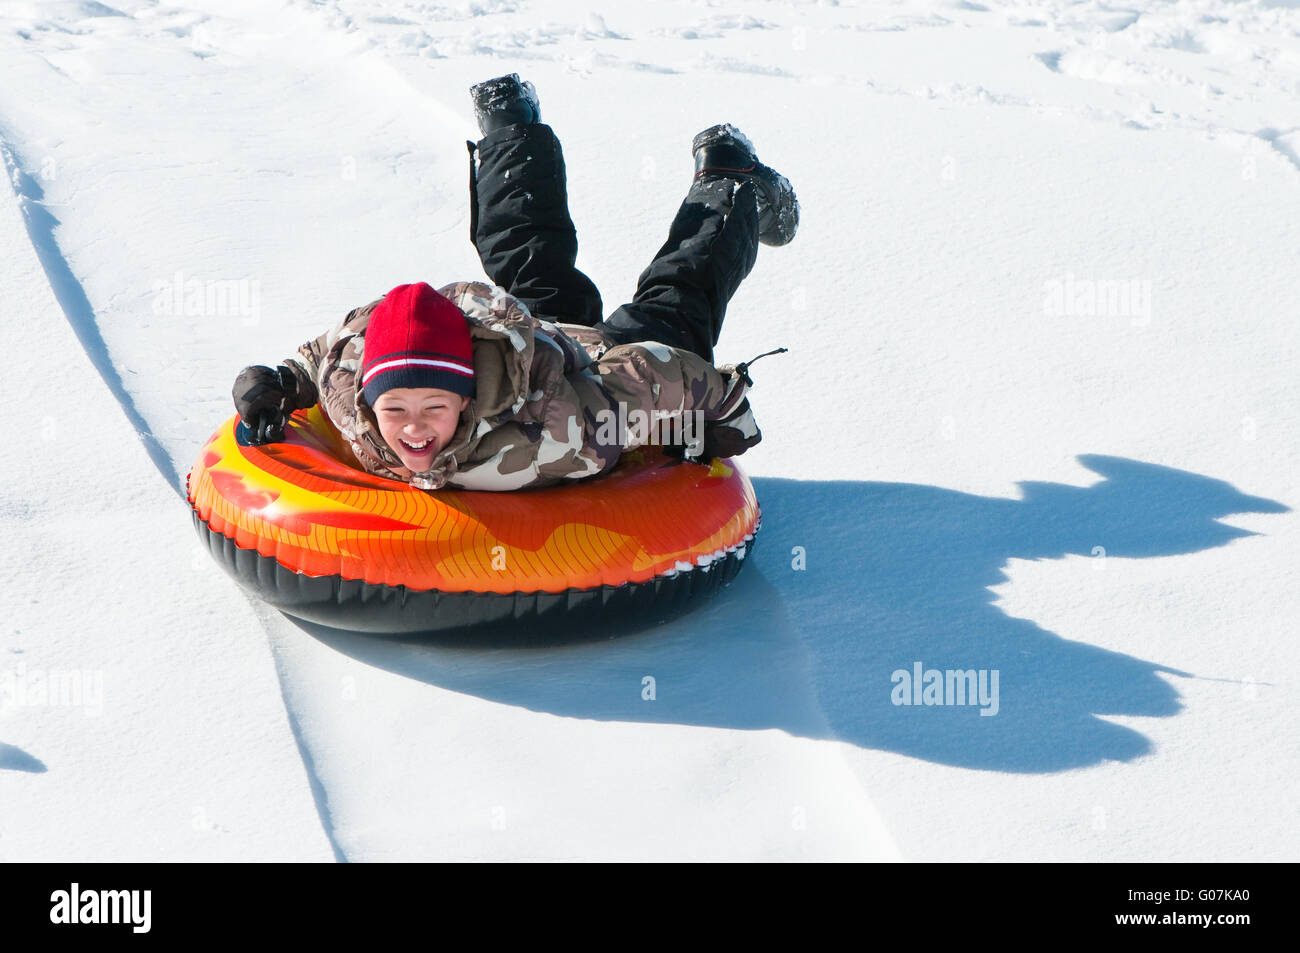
502 334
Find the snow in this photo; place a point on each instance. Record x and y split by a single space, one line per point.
1038 417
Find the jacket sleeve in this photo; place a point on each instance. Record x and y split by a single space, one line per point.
571 445
306 363
675 386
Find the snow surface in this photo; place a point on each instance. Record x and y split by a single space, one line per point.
1039 416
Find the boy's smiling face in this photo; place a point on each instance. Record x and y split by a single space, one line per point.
418 422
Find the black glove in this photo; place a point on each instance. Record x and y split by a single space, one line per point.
264 397
730 436
734 431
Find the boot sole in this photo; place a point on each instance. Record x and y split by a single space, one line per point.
503 101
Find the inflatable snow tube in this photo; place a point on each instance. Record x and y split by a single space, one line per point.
310 533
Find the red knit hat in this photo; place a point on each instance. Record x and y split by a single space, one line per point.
417 338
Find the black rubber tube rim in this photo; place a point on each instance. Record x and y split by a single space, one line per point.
473 617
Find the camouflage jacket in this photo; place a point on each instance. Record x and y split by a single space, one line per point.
553 403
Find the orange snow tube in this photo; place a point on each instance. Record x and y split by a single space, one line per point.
301 525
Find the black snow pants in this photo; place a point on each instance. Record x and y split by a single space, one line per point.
520 224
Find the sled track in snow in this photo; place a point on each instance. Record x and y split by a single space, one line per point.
77 309
76 306
72 298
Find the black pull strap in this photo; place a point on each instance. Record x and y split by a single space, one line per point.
743 367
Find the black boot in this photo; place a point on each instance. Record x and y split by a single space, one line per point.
504 101
724 151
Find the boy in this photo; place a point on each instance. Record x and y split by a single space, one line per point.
501 388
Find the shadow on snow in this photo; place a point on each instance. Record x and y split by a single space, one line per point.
16 759
897 573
